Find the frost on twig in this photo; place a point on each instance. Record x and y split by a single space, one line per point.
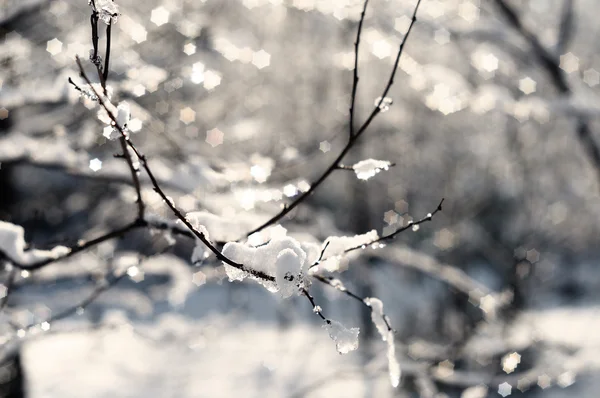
283 258
378 318
366 169
12 244
92 91
346 340
335 248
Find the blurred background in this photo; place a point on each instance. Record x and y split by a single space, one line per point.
240 104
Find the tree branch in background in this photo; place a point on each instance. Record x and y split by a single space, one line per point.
566 28
551 63
355 72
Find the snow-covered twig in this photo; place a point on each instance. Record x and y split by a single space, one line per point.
410 225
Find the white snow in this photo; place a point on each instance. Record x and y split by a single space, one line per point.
366 169
282 258
288 271
12 243
108 11
346 340
377 316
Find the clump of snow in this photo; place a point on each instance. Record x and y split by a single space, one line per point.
282 258
346 340
107 10
12 243
288 268
366 169
378 318
336 248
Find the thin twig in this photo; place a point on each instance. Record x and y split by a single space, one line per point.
107 53
316 309
355 72
329 281
83 304
82 245
410 224
134 177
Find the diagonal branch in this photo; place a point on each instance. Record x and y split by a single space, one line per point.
355 72
134 177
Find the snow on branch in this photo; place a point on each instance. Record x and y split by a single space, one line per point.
346 340
368 168
381 323
283 258
12 244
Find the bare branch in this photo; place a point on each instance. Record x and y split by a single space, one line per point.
566 28
107 53
355 72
